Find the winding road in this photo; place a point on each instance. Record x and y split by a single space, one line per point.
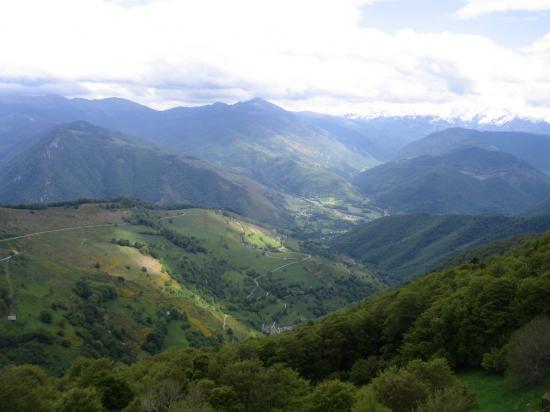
59 230
257 284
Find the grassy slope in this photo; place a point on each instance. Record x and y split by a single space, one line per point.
293 286
494 394
47 267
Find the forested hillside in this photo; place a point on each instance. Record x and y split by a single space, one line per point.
80 160
470 316
466 181
404 246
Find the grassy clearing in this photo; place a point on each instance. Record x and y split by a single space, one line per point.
495 395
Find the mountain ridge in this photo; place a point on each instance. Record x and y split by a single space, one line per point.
80 160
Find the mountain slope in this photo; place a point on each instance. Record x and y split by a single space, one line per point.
119 280
405 246
540 209
470 181
263 141
83 161
532 148
460 314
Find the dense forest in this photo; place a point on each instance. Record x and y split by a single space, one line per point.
396 351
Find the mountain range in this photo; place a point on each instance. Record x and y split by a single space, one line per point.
276 157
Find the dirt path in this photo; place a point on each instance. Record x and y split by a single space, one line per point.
173 216
257 284
65 229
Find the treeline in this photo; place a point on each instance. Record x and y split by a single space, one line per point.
113 203
230 379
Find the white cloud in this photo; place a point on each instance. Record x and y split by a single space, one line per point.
475 8
307 54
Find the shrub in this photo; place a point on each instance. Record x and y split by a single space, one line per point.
529 354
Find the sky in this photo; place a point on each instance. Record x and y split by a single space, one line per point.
448 58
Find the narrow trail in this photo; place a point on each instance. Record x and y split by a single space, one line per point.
224 321
173 216
257 284
65 229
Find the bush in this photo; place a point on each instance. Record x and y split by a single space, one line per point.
366 402
333 396
45 317
81 400
529 354
399 390
364 370
455 398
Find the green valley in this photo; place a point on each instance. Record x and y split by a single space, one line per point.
120 280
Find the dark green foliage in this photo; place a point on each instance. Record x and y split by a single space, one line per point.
528 354
153 341
400 390
115 393
226 399
188 243
455 398
332 396
422 385
460 314
45 317
26 388
409 245
364 370
81 400
89 315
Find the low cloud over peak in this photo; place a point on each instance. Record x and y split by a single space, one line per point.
306 55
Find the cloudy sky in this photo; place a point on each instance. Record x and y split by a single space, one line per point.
365 57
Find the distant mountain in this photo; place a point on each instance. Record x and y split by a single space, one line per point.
255 138
80 160
541 209
532 148
307 154
404 246
466 181
384 137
